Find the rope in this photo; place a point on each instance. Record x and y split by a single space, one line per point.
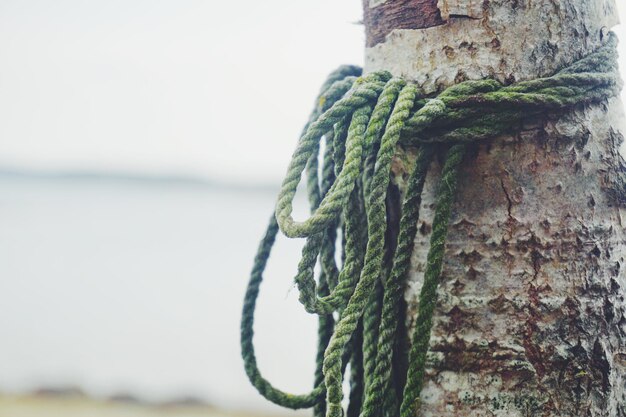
362 122
432 276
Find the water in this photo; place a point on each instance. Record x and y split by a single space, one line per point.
136 286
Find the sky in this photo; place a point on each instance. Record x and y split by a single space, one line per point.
188 87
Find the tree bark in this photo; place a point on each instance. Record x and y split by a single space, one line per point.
531 317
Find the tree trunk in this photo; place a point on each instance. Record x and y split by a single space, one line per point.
531 317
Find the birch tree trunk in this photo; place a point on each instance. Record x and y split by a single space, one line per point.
531 318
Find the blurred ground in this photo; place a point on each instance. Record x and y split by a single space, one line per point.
83 406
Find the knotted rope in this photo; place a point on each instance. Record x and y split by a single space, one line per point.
362 121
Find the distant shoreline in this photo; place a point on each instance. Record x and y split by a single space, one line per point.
127 177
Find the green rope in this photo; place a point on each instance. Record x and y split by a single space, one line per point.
394 286
376 224
356 375
432 276
371 323
362 122
331 92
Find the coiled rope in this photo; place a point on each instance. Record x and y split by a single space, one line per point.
362 121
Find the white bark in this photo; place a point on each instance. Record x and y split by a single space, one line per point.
531 319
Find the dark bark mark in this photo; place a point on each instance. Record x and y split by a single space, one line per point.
463 16
398 14
614 176
393 207
601 366
534 354
401 347
401 350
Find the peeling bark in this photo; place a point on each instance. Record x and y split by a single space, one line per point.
531 318
383 16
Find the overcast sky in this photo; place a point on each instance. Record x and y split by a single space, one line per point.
191 87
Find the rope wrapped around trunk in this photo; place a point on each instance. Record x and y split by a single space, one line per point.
362 120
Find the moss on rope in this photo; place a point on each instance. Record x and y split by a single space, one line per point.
362 120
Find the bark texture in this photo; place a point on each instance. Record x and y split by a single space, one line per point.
531 319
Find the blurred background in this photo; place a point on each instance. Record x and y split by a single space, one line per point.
141 146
